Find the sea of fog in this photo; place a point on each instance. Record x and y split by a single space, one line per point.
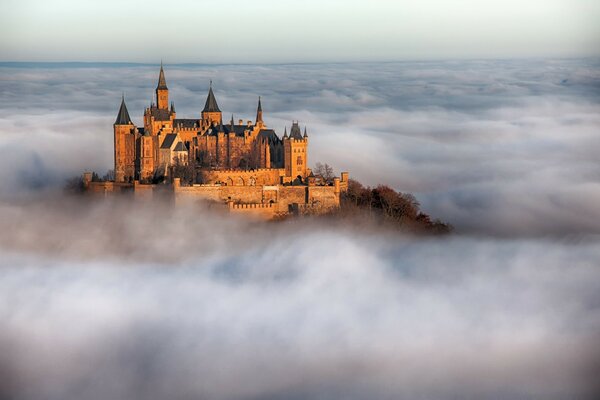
120 300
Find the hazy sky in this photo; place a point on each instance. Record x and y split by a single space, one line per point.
211 31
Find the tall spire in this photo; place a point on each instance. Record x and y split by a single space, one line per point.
162 82
305 135
123 116
259 117
211 103
285 132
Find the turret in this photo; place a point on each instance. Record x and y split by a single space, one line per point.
295 152
162 92
124 144
211 111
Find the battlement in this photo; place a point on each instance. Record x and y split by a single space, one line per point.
248 206
240 170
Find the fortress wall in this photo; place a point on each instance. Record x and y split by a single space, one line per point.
324 197
219 193
292 194
260 211
344 178
142 191
109 187
184 194
233 177
242 194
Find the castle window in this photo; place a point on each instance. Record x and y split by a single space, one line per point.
299 160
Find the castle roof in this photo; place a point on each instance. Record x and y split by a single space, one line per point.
295 132
269 135
160 114
168 141
211 103
237 129
162 83
123 115
186 123
180 147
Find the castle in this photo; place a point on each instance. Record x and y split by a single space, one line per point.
245 165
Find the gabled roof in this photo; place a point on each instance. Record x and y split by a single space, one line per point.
123 115
162 83
211 103
168 141
180 147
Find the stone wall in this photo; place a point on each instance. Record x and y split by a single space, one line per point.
264 201
239 177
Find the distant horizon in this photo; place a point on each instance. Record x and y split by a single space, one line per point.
382 61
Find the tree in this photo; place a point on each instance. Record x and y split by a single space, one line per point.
185 171
325 172
109 176
74 185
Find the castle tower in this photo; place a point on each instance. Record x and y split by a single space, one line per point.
259 114
147 164
124 136
211 112
295 155
162 92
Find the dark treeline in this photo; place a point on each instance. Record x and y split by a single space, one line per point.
385 206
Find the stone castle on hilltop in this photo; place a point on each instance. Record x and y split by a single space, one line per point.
245 165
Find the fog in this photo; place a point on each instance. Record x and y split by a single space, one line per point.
116 299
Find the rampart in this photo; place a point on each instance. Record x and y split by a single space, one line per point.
264 201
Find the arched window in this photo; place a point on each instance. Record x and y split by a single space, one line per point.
299 160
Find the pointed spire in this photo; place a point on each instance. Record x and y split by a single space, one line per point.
162 83
123 116
211 102
232 123
259 117
305 135
285 132
172 107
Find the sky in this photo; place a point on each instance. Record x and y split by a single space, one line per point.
274 31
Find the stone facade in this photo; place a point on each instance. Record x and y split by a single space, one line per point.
245 166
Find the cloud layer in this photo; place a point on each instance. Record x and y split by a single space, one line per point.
112 299
493 147
119 300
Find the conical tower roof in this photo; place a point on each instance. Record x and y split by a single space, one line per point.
162 82
123 116
211 103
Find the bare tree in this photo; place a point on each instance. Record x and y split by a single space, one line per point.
325 172
109 176
185 171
